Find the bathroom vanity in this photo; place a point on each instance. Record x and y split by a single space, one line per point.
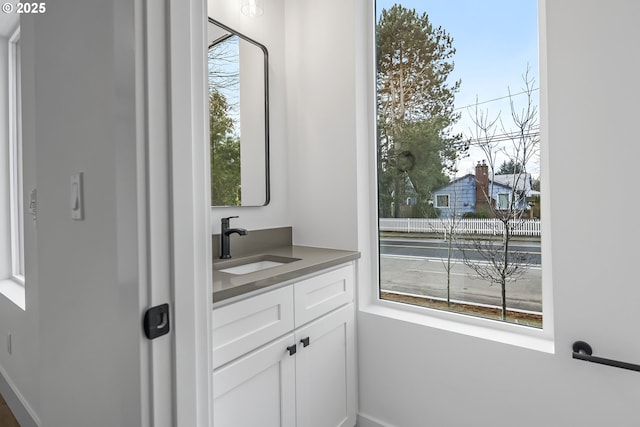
283 322
284 339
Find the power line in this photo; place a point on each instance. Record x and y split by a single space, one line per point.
534 133
495 99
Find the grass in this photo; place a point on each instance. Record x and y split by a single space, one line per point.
526 319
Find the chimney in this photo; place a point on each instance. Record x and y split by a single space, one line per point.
482 186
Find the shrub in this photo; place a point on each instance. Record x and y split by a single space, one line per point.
476 215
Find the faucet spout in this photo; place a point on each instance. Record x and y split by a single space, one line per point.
225 241
240 231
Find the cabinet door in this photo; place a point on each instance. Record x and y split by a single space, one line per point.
325 371
257 389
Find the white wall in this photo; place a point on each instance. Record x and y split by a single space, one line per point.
415 375
320 46
267 29
313 184
87 357
20 367
321 114
76 349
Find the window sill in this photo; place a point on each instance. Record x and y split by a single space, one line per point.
14 291
505 333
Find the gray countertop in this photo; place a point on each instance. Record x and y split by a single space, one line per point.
309 260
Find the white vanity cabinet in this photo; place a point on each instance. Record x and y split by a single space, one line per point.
303 376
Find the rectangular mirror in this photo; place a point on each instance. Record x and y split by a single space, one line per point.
238 95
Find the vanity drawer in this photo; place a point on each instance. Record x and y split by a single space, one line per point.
320 294
243 326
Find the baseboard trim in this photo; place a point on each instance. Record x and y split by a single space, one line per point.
17 403
368 421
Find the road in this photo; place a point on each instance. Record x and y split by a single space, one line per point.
432 248
418 267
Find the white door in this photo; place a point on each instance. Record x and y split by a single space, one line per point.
325 377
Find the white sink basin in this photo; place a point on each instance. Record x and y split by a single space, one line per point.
251 264
251 267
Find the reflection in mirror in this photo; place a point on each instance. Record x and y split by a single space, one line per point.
238 118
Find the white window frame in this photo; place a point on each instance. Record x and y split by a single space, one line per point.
16 207
499 205
370 301
438 205
12 255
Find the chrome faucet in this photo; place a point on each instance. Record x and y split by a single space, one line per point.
225 244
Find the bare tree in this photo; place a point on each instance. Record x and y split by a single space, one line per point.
450 219
505 196
224 72
525 140
451 225
222 59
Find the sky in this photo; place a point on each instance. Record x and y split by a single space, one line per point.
495 40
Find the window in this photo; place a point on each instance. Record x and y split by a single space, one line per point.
12 263
458 93
15 159
442 201
503 201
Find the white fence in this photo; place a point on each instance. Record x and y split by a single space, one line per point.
491 226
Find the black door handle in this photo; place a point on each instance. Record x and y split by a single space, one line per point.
156 321
305 341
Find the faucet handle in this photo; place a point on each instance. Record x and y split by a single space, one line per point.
224 222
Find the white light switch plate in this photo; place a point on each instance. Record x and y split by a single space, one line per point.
77 197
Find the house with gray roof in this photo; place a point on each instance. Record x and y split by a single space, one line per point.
477 193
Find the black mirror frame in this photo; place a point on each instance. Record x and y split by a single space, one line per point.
266 105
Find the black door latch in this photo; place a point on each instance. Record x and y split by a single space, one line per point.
156 321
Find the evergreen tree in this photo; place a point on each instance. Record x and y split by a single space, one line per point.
415 110
510 167
225 154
